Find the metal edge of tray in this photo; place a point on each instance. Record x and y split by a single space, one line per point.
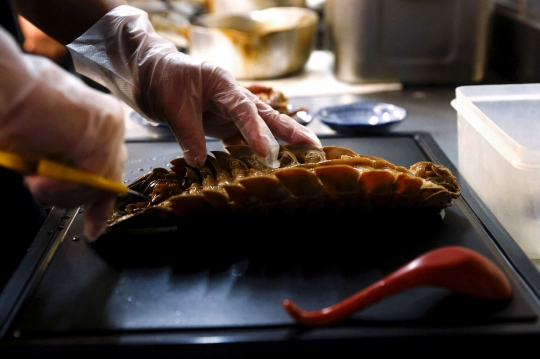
32 266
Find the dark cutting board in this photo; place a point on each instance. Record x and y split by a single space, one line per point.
217 288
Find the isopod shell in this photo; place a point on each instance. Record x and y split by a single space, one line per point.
310 181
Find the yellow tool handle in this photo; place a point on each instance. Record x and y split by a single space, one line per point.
65 173
16 162
62 172
59 171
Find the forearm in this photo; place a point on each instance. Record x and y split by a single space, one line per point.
64 20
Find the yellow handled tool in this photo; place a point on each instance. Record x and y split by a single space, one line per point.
63 172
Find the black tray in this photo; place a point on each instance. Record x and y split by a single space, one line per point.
214 290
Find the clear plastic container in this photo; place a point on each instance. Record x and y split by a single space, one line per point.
499 155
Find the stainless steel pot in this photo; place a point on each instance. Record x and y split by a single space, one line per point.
263 44
425 42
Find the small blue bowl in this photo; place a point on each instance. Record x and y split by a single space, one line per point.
361 117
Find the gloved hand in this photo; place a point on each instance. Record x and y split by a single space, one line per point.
124 53
47 112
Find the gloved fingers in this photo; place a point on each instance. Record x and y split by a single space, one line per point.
285 128
217 126
237 103
236 139
192 143
95 217
189 133
256 133
171 92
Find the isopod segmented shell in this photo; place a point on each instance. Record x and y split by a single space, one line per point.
308 182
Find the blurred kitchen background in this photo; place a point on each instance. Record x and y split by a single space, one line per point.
335 47
364 45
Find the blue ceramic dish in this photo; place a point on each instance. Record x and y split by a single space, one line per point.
362 117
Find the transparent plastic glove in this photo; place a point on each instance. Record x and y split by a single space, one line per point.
124 53
47 112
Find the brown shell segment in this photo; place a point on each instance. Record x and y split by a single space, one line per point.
377 182
267 189
339 179
301 182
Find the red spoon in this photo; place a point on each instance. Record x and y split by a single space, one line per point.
456 268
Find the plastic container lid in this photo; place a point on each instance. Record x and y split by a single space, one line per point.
507 116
